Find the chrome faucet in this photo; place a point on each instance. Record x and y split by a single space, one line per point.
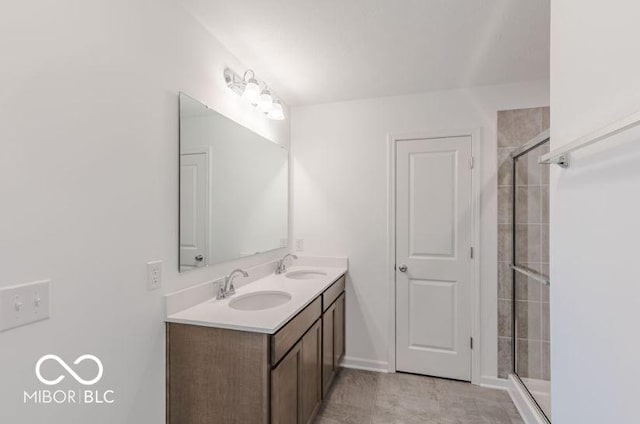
225 288
281 267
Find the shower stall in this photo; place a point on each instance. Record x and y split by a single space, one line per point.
530 271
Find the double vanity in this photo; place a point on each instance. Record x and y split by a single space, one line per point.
265 354
261 345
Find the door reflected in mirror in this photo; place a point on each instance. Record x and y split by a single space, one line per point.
233 189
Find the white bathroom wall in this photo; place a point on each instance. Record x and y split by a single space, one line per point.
595 292
340 190
89 188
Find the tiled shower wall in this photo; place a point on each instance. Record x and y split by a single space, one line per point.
515 128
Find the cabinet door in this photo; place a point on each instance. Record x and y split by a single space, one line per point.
328 356
339 331
285 386
311 389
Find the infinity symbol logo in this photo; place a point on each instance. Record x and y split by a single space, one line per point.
69 370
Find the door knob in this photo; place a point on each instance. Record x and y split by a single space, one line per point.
402 268
199 258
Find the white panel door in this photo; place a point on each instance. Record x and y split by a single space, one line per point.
194 174
433 261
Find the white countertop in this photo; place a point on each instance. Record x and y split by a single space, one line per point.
218 313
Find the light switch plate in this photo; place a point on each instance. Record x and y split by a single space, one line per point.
24 303
154 275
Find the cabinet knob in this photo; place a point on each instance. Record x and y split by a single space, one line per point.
402 268
199 258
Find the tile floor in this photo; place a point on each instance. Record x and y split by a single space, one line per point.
363 397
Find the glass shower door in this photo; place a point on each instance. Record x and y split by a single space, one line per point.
531 274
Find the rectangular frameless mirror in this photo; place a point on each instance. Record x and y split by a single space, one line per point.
233 189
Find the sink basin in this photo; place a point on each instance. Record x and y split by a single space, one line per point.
259 301
305 274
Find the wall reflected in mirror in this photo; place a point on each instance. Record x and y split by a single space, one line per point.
233 189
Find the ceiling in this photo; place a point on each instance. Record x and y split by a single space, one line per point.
318 51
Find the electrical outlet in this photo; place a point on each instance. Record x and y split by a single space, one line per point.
154 275
299 245
24 304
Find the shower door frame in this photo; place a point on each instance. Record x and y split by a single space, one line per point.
539 140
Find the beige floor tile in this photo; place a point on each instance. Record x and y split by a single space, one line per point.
355 388
362 397
333 413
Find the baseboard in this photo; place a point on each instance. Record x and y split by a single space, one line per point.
365 364
528 410
494 383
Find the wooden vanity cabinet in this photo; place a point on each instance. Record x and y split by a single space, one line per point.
286 382
217 375
311 389
333 341
339 331
295 382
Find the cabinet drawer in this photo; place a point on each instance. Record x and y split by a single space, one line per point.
331 294
288 335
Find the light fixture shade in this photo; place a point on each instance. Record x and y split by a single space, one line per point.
266 102
277 113
252 91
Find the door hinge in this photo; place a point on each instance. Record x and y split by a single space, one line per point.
471 162
471 342
471 252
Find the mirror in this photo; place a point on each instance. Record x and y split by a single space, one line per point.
233 189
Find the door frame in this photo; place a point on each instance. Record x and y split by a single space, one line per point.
392 140
208 152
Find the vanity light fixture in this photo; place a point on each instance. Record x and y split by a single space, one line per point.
266 101
252 91
249 88
277 113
